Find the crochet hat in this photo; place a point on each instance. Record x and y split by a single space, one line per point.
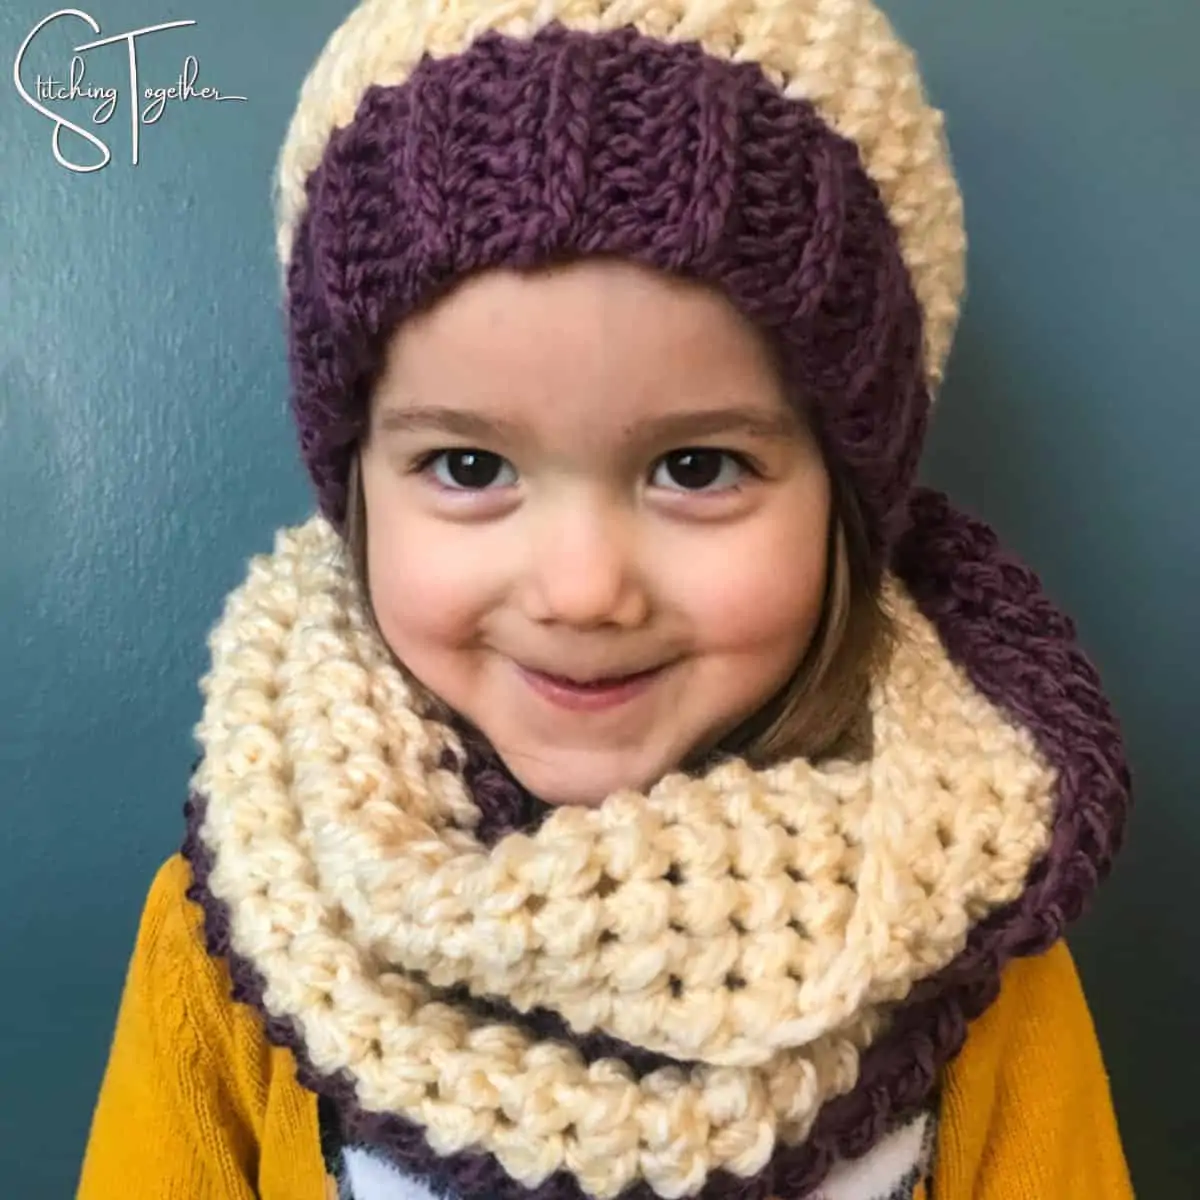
783 151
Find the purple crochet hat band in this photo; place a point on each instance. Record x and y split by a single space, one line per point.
522 152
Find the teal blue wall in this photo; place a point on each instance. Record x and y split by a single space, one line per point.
145 452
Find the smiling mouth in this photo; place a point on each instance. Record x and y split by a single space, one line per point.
590 695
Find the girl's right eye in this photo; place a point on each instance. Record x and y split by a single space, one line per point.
467 470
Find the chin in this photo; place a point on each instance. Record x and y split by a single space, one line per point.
582 781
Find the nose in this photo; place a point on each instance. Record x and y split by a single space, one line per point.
582 568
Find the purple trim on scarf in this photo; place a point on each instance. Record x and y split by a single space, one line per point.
1019 650
519 152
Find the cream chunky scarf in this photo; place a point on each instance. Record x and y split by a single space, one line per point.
757 927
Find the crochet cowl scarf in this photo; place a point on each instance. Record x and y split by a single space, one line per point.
724 986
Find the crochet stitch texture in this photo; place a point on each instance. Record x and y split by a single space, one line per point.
841 56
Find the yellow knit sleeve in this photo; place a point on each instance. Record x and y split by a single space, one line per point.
1027 1111
181 1107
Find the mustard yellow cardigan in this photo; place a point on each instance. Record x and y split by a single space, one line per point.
197 1105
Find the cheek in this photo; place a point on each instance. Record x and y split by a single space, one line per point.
428 592
762 593
762 610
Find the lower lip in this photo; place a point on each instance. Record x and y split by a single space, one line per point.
590 699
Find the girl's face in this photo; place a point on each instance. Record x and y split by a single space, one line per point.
590 473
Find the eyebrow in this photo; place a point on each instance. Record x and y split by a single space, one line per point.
704 422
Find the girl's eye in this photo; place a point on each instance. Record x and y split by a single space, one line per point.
698 469
469 470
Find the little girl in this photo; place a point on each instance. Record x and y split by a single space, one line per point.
631 783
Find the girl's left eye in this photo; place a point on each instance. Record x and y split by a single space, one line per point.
700 469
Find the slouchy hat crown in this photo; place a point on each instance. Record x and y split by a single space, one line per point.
783 152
